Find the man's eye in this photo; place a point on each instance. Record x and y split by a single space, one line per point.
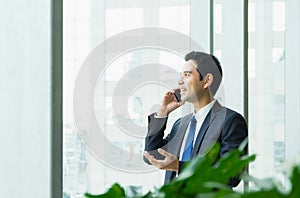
185 74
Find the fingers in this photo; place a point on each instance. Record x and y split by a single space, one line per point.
169 97
169 93
152 160
169 163
149 157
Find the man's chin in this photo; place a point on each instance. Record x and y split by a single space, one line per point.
187 99
184 99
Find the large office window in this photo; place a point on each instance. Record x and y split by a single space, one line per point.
87 24
228 47
267 124
273 79
272 95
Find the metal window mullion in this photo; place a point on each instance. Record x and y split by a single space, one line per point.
211 26
245 74
56 15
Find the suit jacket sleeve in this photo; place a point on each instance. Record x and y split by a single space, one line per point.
155 136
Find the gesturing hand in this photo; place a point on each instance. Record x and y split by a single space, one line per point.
169 163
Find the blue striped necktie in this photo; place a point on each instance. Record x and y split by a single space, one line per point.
186 156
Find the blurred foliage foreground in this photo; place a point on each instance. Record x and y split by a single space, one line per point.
204 177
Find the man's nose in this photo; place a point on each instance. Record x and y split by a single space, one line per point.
180 81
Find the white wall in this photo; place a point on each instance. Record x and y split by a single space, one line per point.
24 98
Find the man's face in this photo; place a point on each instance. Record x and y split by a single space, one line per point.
191 88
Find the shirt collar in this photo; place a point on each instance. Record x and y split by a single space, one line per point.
204 111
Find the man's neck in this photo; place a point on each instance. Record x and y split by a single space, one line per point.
202 103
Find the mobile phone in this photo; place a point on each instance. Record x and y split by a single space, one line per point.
177 95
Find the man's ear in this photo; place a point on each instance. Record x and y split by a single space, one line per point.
208 80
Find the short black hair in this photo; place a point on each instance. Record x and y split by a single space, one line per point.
207 63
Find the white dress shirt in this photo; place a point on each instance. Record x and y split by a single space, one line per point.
200 116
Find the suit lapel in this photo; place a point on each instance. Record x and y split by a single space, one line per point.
214 131
207 136
206 128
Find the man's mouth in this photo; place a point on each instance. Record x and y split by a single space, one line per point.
182 90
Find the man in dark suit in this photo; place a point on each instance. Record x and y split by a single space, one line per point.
194 133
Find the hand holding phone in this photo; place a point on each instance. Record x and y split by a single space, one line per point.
168 104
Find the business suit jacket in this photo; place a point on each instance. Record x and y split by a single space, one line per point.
221 125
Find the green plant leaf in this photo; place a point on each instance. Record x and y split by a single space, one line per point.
115 191
232 165
220 194
198 163
204 175
295 180
179 185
